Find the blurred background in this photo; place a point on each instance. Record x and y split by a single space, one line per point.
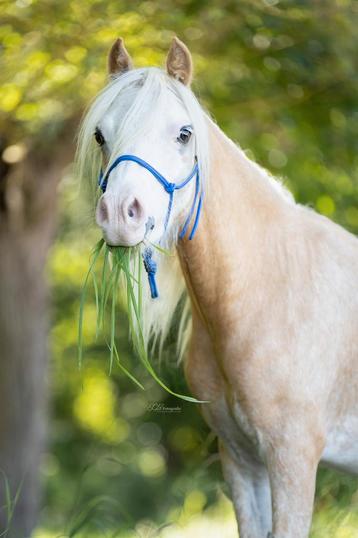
83 453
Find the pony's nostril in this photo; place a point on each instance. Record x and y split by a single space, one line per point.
134 209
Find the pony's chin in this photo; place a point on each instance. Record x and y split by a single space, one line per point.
121 241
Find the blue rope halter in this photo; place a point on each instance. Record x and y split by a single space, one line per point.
149 264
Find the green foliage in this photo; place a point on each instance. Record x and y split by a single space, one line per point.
280 78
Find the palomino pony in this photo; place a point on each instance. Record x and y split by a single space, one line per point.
272 286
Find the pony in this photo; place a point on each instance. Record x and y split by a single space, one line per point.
270 332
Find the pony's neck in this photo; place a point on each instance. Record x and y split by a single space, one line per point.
243 210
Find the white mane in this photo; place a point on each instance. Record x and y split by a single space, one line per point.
148 86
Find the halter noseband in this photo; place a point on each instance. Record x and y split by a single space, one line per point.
170 188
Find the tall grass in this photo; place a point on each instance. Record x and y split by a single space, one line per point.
10 502
121 272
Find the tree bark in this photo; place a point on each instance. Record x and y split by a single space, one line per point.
27 224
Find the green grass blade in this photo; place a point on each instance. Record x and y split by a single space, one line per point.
122 262
162 250
125 371
8 501
100 313
113 317
109 286
10 504
95 254
95 286
139 274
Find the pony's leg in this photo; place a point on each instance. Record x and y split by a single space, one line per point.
250 490
292 471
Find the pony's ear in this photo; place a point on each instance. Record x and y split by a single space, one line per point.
179 62
119 60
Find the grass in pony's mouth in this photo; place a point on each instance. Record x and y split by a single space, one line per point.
117 262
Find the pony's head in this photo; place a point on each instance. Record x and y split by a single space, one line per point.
153 115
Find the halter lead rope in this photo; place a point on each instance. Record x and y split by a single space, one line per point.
149 264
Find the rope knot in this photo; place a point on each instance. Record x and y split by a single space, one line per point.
170 188
150 266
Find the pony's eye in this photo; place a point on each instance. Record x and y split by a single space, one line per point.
185 134
99 137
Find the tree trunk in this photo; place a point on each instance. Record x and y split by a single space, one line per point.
27 222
